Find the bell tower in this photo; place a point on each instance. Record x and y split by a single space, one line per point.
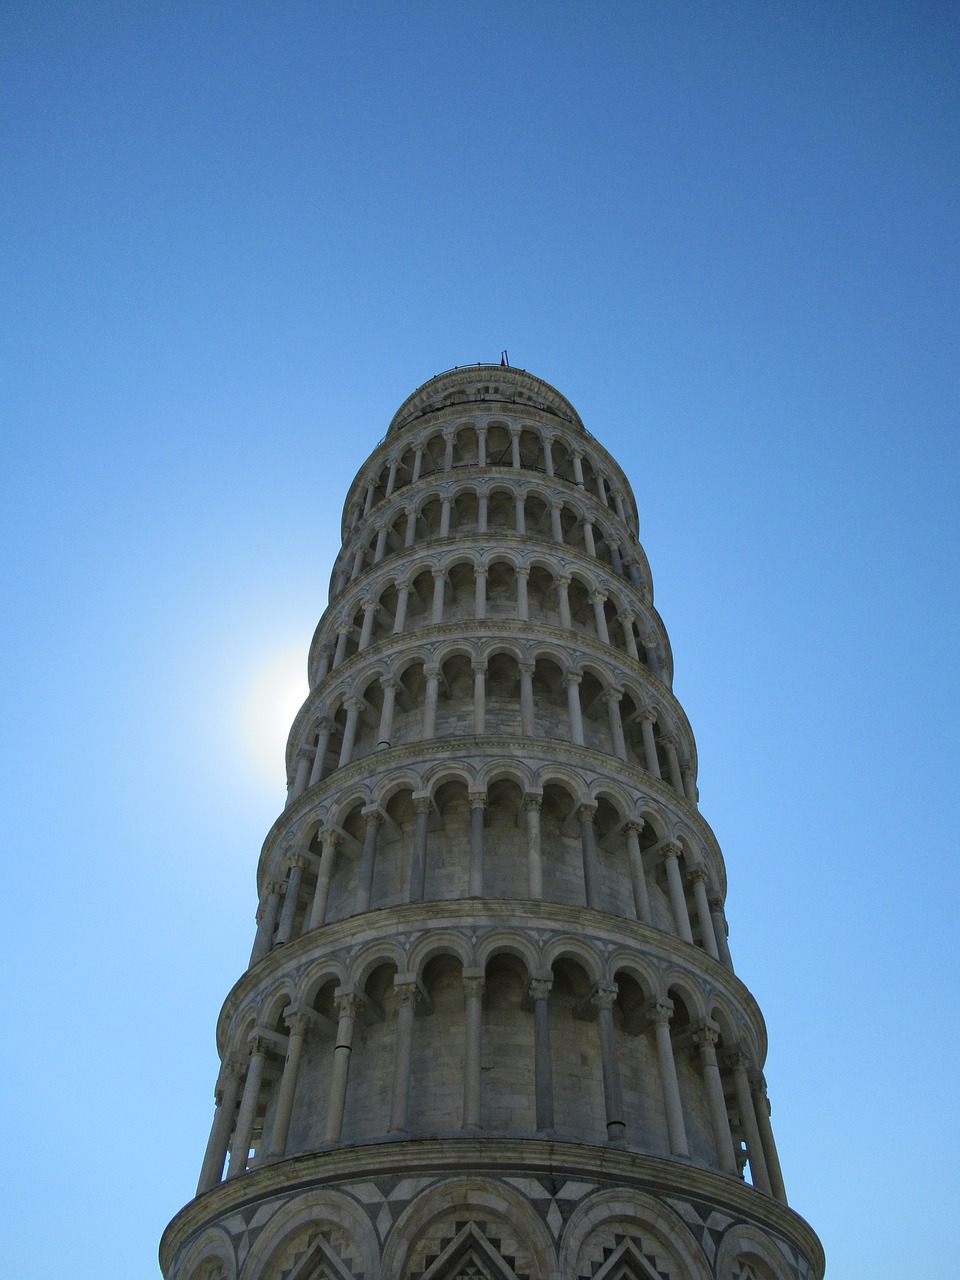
491 1026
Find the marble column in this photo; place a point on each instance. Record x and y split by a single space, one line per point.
340 652
589 544
347 1006
627 619
448 450
715 902
638 880
548 455
318 769
480 588
673 761
603 998
523 604
445 518
302 775
761 1106
690 783
678 902
540 987
403 598
329 839
478 802
571 683
483 502
515 448
227 1094
418 861
366 629
578 467
651 655
520 522
532 803
473 987
247 1114
391 478
352 707
432 675
439 580
705 1038
588 846
527 727
266 922
556 525
410 529
290 898
408 993
612 698
373 820
297 1023
599 599
481 446
647 718
737 1062
659 1012
389 686
479 698
381 546
563 598
417 464
697 876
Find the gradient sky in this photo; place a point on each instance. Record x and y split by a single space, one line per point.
235 237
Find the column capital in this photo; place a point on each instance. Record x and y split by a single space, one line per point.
563 579
659 1010
697 874
274 888
410 509
330 836
670 849
612 694
422 804
431 671
533 800
627 615
556 504
514 429
736 1059
258 1043
477 799
353 703
522 571
647 714
715 901
298 1021
389 682
474 987
368 602
481 570
597 594
346 1003
572 677
586 810
478 668
372 817
407 993
298 860
344 628
448 432
705 1035
604 994
306 751
438 572
528 668
540 987
635 825
649 640
758 1085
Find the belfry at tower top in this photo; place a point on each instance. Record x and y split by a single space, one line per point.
489 383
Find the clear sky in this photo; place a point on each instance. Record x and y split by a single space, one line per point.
235 237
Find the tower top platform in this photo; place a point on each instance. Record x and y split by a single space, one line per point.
484 383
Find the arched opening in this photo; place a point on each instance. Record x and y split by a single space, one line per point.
455 702
448 872
561 848
639 1067
508 1099
505 846
436 1086
575 1050
367 1110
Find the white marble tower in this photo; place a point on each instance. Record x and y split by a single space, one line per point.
490 1026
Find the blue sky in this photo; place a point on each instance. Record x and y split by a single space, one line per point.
235 238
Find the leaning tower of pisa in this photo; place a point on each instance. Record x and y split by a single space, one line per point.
490 1026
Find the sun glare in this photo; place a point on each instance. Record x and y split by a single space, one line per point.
275 695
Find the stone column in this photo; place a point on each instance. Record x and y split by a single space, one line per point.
601 488
615 558
599 616
571 682
720 929
588 846
373 819
389 686
660 1012
633 573
366 629
480 581
531 805
418 862
589 545
651 655
403 596
646 718
391 478
548 454
329 840
626 620
473 1017
417 464
705 1038
324 665
697 877
523 606
410 531
478 802
299 785
297 1022
556 525
612 698
673 762
357 567
408 993
690 783
761 1106
515 448
481 446
290 898
678 902
340 652
324 729
540 985
347 1004
518 515
352 706
618 503
430 701
448 450
248 1107
381 544
563 595
737 1061
578 467
527 729
479 698
603 997
368 502
226 1095
439 578
266 922
482 505
445 518
638 880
